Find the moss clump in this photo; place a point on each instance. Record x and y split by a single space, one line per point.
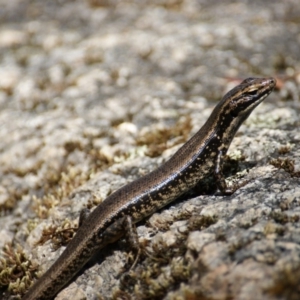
16 270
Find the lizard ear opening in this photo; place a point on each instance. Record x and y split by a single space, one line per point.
233 113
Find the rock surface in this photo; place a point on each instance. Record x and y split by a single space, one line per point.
94 94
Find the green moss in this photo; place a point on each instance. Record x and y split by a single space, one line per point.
16 270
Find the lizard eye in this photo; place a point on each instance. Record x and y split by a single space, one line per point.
253 93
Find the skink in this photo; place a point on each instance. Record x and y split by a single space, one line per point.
199 157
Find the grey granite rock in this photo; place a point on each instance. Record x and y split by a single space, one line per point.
87 88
